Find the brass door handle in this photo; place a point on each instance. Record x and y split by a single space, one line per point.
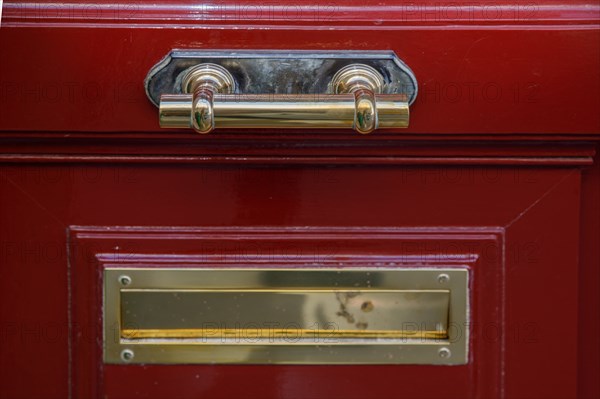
208 100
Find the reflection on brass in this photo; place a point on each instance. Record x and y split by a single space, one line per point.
260 333
325 312
356 77
363 316
208 101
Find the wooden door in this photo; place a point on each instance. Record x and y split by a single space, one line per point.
497 173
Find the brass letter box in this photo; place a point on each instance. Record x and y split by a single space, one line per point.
286 316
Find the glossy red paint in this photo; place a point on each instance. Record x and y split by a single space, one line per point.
513 182
506 68
295 247
506 207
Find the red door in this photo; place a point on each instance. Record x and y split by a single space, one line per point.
497 175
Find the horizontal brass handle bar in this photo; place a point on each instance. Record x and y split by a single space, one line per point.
350 110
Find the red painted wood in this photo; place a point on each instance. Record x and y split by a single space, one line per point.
211 150
297 247
538 290
35 225
589 278
304 12
545 66
515 180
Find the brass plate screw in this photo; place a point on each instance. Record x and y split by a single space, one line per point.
127 355
124 280
444 353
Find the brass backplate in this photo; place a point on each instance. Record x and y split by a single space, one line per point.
286 316
289 72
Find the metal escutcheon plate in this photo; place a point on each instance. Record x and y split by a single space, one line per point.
286 316
280 72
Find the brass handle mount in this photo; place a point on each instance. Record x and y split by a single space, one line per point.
209 99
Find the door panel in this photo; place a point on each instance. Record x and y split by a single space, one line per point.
508 247
496 174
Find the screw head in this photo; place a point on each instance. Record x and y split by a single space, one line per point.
444 353
124 280
126 355
443 278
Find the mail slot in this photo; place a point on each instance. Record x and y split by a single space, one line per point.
291 316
